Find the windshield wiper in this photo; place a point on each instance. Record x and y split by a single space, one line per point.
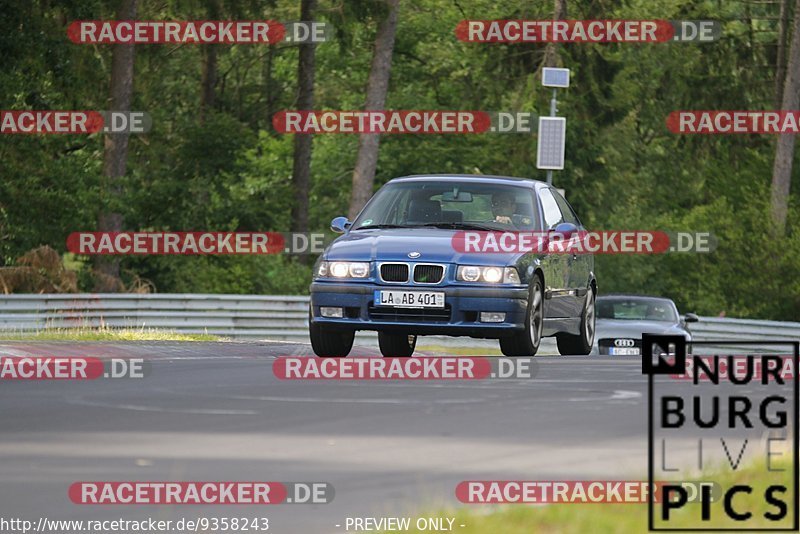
460 226
374 226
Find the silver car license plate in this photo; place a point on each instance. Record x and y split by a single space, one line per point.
624 351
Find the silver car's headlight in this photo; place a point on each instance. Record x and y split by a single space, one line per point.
492 275
342 269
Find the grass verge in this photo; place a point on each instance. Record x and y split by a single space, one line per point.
631 517
105 334
446 350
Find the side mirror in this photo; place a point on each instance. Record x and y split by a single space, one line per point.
340 225
691 318
566 229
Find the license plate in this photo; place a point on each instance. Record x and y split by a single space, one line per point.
409 299
624 351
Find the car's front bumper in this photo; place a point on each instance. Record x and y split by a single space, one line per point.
460 317
606 342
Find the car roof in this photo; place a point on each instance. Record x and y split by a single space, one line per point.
477 178
632 297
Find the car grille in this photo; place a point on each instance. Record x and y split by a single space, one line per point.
394 272
607 343
402 315
428 274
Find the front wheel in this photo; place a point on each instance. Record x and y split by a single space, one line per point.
583 342
401 345
526 343
330 342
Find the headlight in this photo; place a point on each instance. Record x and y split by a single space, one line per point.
468 273
359 270
492 275
342 269
339 269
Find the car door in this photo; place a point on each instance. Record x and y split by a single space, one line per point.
558 302
578 265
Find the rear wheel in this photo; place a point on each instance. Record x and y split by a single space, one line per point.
330 342
582 343
527 343
400 345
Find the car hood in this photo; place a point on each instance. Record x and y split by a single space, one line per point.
614 328
432 244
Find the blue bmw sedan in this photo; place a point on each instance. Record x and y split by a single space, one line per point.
400 269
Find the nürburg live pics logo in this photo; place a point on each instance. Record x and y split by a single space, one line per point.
724 411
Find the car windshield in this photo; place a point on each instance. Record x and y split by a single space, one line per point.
636 309
450 204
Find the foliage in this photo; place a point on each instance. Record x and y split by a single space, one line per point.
39 271
231 171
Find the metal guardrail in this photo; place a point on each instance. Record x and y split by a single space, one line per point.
256 316
744 329
235 316
719 328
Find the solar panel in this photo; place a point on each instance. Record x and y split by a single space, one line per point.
555 77
550 154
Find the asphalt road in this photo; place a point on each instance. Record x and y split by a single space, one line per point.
214 411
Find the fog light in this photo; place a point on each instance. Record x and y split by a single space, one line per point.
493 317
331 312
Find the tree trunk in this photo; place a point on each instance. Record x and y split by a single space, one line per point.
784 152
551 50
208 77
208 80
115 155
269 91
780 59
377 87
301 167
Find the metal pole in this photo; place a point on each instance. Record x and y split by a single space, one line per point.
553 110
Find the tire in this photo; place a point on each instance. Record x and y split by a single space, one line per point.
583 342
527 343
396 345
330 342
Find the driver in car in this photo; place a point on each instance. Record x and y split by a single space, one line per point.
503 206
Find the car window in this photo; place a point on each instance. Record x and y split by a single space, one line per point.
415 203
394 205
478 209
566 210
636 309
552 213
